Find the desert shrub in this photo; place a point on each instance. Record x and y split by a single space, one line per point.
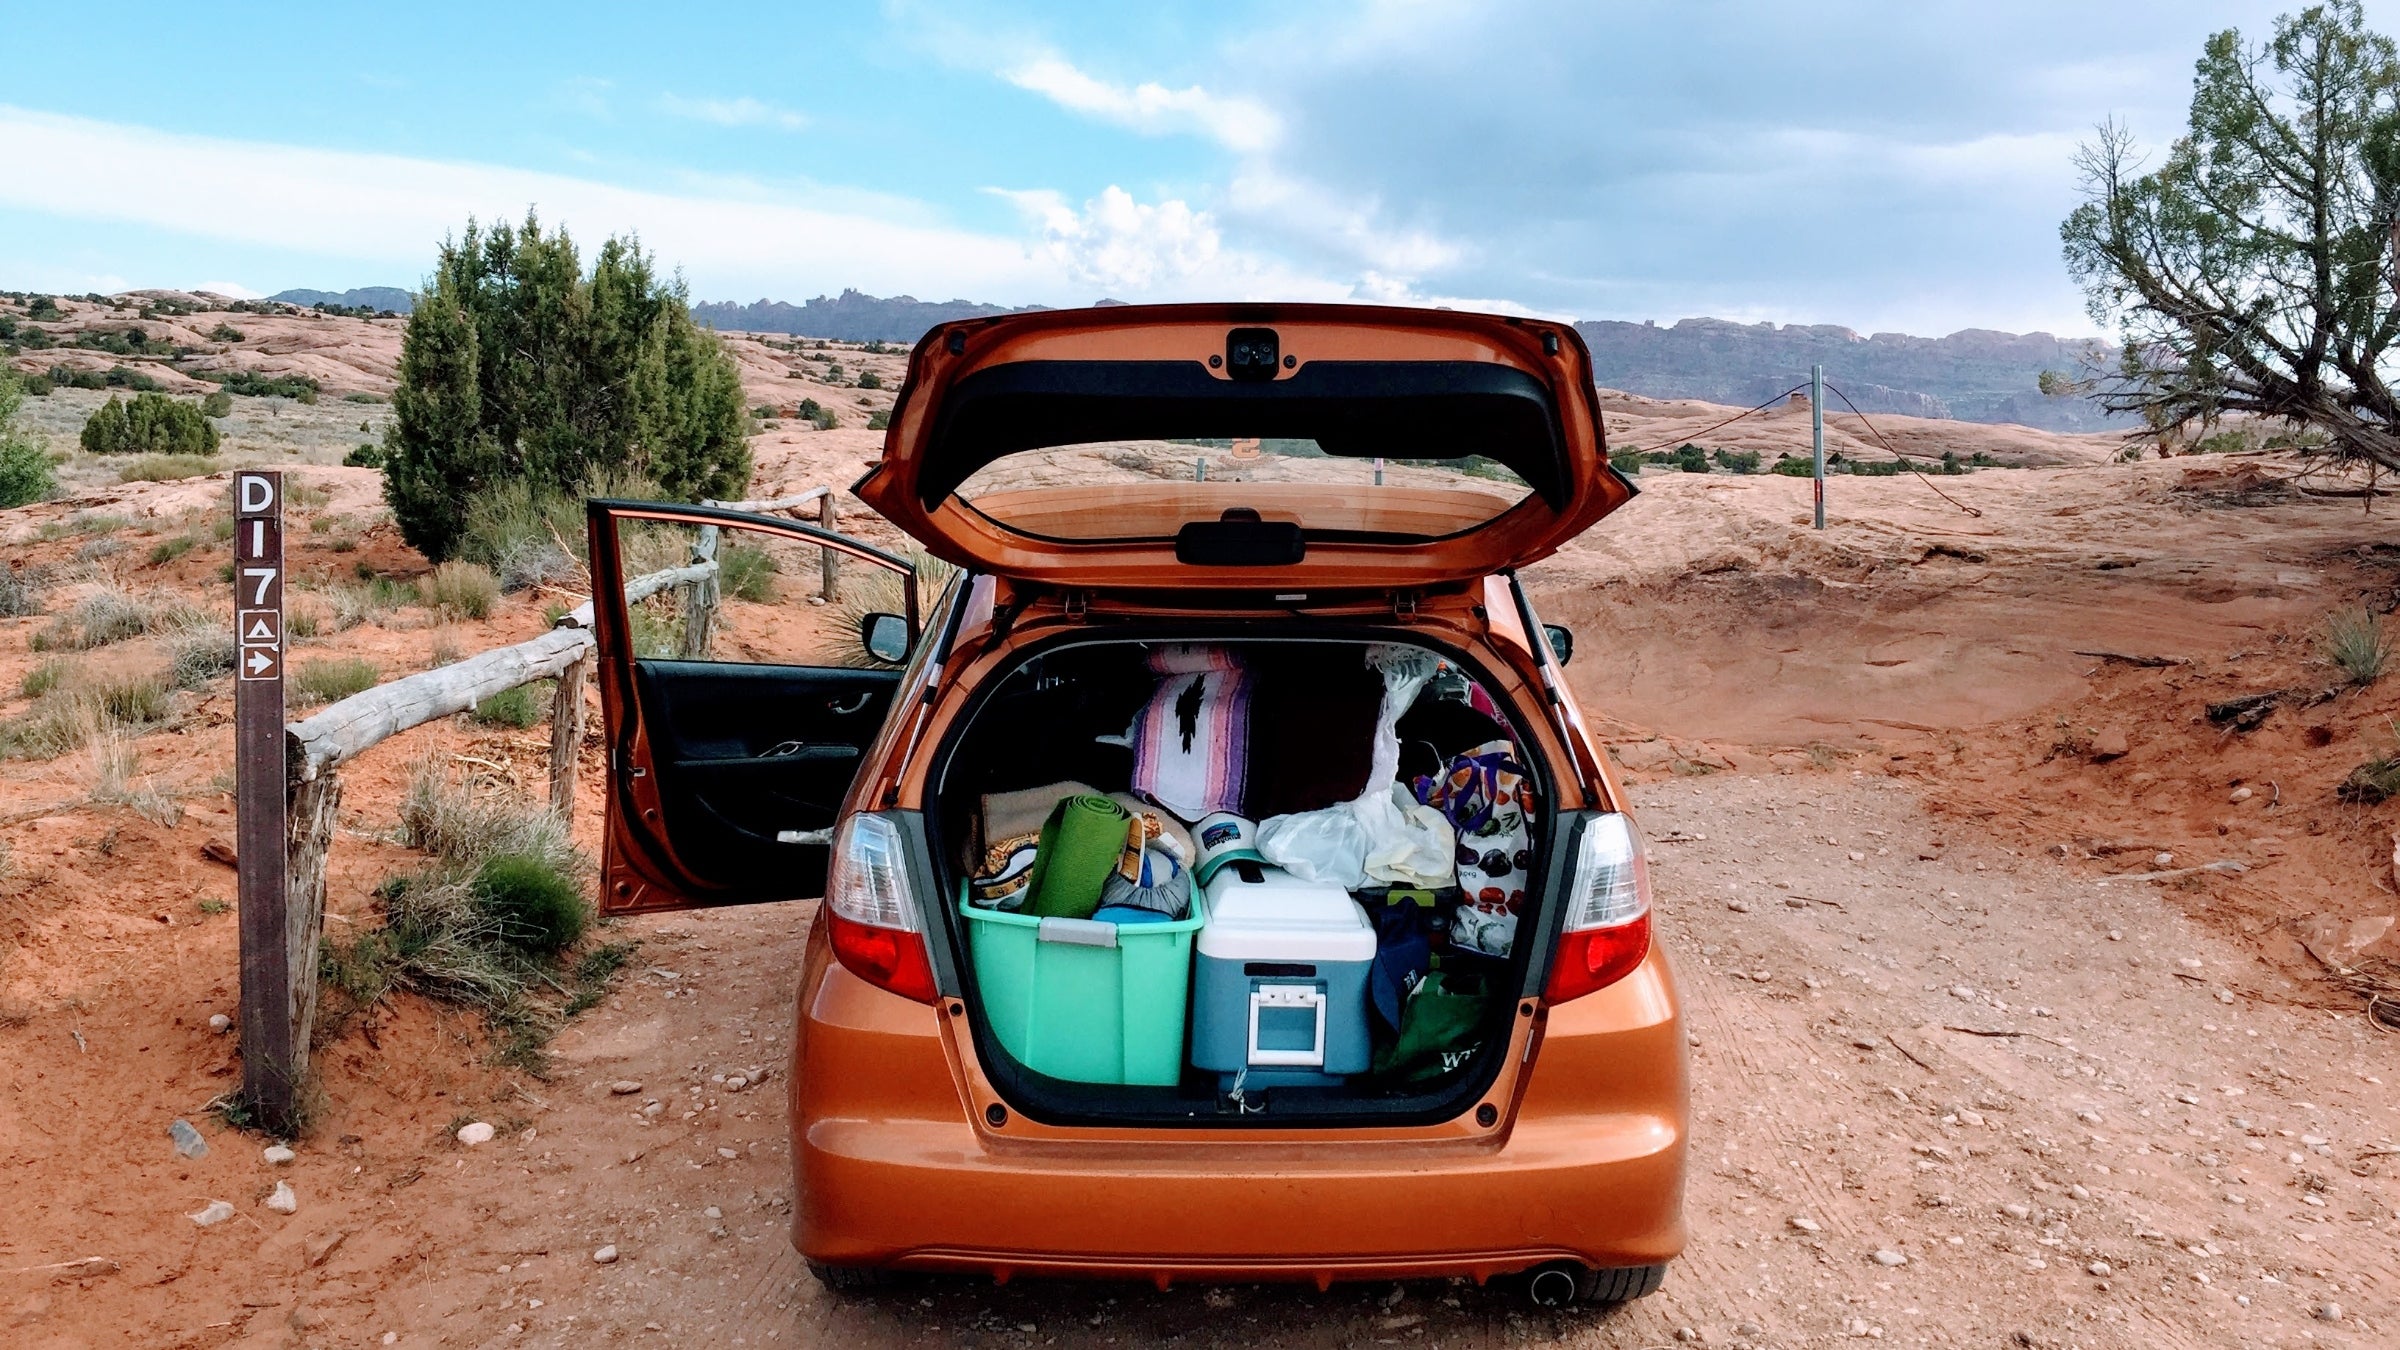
1795 466
1872 468
364 456
746 573
151 424
224 332
35 383
518 365
521 707
302 622
361 396
462 590
2353 642
76 704
111 615
92 549
26 474
868 379
483 923
168 550
21 591
331 681
45 677
1689 458
817 415
536 907
43 307
251 384
198 657
1739 461
217 404
369 600
166 468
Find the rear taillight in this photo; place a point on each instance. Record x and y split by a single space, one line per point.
1607 930
870 916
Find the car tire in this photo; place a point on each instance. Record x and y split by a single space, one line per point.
1604 1288
851 1280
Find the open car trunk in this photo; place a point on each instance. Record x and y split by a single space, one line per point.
1253 881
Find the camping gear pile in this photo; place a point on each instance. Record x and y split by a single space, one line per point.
1351 931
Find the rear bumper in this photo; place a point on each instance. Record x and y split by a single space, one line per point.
893 1171
1600 1191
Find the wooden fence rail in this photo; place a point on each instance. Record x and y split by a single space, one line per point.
317 746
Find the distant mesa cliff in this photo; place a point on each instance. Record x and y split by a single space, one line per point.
848 317
1976 375
364 297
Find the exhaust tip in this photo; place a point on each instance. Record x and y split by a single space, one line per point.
1554 1285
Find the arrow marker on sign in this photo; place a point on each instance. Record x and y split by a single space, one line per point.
258 660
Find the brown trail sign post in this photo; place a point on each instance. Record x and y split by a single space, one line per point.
274 1025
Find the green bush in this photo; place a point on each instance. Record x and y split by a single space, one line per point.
151 424
361 396
517 365
168 550
1795 466
44 307
1739 461
224 332
520 707
868 379
26 474
746 573
817 414
366 456
879 420
251 384
536 906
1690 458
218 404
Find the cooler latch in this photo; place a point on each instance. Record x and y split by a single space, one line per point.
1287 1026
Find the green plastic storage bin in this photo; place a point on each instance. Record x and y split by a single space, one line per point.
1083 1000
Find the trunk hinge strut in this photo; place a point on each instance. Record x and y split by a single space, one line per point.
1404 606
1075 603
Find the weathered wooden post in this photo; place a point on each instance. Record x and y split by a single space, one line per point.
275 1004
566 735
825 522
700 598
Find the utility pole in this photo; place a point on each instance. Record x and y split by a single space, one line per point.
1816 428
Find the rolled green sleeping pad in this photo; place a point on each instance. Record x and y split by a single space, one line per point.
1080 845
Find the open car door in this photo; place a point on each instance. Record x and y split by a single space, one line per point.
737 708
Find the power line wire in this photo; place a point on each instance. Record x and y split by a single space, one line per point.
1895 453
1728 421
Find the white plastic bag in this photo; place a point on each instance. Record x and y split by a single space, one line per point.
1384 837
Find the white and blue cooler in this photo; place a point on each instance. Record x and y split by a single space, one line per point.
1279 988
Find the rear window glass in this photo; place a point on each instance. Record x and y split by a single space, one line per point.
1149 489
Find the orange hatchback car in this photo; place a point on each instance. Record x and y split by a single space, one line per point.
1219 881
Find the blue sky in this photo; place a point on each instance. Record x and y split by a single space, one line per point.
1888 166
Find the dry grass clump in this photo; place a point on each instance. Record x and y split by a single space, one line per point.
462 590
486 922
333 680
200 656
115 763
113 614
2353 642
21 591
166 468
73 705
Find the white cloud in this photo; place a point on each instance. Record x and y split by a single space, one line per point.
391 210
231 290
1348 225
1119 244
1150 108
732 112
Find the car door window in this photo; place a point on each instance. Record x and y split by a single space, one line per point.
745 698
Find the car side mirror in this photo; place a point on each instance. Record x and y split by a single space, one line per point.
1562 641
884 637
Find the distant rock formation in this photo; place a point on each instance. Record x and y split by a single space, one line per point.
392 298
1975 375
848 317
